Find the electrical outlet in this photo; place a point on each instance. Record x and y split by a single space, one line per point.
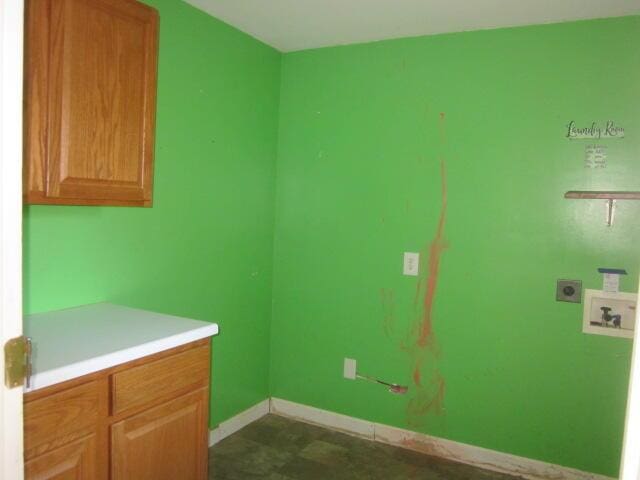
411 263
569 291
349 368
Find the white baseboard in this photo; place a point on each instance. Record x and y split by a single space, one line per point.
325 418
238 422
459 452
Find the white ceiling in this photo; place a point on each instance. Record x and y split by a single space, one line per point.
290 25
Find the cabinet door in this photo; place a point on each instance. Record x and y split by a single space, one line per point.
167 442
74 461
90 101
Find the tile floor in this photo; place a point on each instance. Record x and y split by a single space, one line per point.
277 448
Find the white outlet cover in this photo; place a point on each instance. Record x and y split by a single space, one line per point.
411 264
350 368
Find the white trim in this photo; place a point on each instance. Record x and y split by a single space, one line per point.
480 457
335 421
630 464
11 77
459 452
231 426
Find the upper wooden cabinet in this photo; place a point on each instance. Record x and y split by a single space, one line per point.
90 99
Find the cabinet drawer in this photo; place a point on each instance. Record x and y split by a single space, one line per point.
161 379
61 416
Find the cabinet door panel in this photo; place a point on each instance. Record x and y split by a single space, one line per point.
75 461
163 443
100 65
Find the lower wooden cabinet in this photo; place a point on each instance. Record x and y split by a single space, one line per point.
105 426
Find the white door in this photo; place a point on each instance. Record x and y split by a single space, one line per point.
11 56
630 466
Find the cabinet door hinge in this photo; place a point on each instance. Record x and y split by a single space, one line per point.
17 362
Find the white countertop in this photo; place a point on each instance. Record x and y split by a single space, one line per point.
76 341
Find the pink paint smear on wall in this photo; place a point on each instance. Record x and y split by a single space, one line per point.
429 384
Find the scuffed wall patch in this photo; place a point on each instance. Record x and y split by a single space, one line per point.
387 298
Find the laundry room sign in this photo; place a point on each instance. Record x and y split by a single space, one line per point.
595 130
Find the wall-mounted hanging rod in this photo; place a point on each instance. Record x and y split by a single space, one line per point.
609 196
604 195
393 387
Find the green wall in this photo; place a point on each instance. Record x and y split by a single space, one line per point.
205 248
361 143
